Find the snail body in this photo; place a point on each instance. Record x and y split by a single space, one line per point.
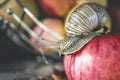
71 44
81 26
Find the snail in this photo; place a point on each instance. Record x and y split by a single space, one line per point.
81 26
85 18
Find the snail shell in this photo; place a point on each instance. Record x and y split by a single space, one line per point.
85 18
82 25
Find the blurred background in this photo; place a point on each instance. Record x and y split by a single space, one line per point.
18 63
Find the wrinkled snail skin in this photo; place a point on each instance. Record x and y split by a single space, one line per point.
82 25
85 18
72 44
68 45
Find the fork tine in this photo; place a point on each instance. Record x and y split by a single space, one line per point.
2 26
40 25
17 36
26 27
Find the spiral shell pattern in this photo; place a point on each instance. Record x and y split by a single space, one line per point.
82 25
85 18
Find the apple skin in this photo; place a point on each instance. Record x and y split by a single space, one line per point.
30 4
114 13
56 8
97 60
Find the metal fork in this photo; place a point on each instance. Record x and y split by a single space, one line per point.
20 38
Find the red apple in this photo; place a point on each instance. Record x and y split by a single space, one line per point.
55 25
97 60
57 8
115 18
